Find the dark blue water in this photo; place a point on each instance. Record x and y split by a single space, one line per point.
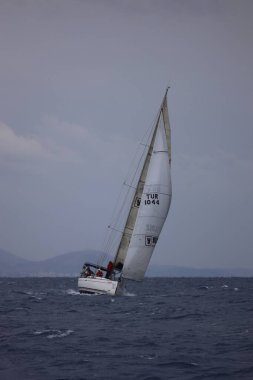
183 328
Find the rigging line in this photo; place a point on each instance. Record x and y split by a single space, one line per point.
112 234
112 216
115 229
147 137
143 142
144 154
134 193
113 241
134 159
146 145
106 249
109 238
121 214
107 244
132 187
123 232
116 213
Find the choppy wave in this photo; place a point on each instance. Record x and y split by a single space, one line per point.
126 293
53 333
183 329
72 292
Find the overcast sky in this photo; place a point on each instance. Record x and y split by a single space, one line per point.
81 81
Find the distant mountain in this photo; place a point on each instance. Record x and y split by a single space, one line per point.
70 264
10 265
178 271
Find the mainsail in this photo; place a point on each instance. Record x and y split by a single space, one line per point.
150 203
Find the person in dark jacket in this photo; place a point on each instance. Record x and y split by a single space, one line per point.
109 270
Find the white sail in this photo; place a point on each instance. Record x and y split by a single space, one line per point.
147 214
154 205
131 219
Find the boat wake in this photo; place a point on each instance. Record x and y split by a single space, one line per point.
126 293
72 292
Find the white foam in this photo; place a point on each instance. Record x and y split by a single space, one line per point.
38 332
54 333
125 293
72 292
60 334
35 295
36 298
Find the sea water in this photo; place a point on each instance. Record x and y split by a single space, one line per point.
163 328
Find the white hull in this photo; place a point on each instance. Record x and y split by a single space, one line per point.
97 285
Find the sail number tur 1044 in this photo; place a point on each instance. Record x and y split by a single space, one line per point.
152 198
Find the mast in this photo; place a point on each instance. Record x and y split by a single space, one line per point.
165 113
134 209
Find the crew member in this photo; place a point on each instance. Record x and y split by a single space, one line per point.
99 273
109 270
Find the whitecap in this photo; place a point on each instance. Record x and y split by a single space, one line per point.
60 334
38 332
53 333
36 298
72 292
35 295
149 357
125 293
91 295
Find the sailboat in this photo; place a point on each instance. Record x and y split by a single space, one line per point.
146 215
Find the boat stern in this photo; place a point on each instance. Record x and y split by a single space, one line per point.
97 285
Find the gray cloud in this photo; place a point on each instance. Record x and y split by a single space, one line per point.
80 83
